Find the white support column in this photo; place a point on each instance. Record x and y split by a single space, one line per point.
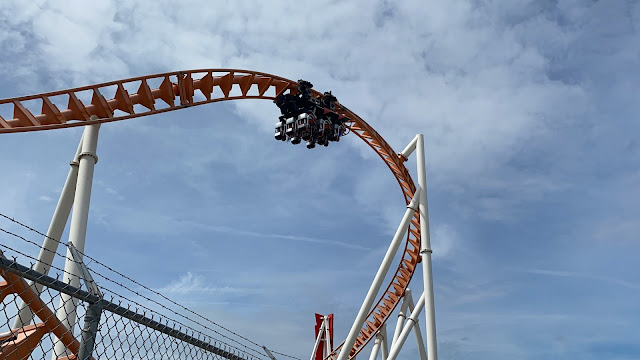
318 339
380 342
376 348
413 320
402 315
78 229
379 278
385 344
425 252
410 148
54 235
327 337
416 329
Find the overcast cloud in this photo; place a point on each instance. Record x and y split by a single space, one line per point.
530 115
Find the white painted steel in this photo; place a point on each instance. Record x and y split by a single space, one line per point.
379 278
410 148
385 343
425 252
78 229
416 329
323 334
376 348
327 337
402 315
413 320
318 338
54 234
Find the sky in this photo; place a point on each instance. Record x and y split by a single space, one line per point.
530 115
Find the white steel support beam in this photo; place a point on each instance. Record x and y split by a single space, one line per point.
408 306
425 252
416 328
376 347
78 229
327 337
410 148
54 234
385 344
402 315
318 339
379 278
411 321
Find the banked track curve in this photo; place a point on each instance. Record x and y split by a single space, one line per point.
182 89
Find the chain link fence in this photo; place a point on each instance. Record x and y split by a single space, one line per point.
37 308
107 330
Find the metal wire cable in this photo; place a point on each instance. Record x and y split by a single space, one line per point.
40 247
29 256
171 301
150 290
125 287
172 311
189 332
260 355
289 356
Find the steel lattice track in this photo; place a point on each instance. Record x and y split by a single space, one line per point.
214 85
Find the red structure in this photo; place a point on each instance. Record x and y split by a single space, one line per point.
324 336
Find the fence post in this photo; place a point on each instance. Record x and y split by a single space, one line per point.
90 330
94 310
269 353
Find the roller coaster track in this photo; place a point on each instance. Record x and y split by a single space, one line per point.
178 90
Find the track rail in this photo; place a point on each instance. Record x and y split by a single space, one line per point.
177 90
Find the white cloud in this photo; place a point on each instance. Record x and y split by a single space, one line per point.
521 103
296 238
577 275
444 240
477 98
191 284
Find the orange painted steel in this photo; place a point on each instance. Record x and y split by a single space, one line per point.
183 89
20 343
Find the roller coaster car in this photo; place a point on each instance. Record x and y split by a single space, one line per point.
290 126
305 125
304 89
288 104
306 121
280 135
328 101
308 118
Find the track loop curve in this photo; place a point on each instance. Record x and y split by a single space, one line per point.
176 90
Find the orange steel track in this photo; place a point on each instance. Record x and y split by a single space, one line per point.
212 85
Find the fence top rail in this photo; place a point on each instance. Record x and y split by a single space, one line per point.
14 267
